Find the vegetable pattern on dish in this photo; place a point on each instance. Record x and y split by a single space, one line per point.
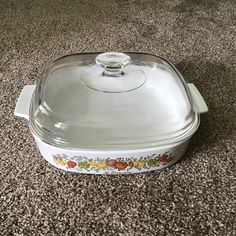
119 164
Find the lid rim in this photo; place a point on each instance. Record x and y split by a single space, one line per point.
172 141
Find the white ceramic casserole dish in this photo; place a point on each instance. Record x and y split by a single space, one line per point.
111 113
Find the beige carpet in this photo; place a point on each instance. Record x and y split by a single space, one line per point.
195 197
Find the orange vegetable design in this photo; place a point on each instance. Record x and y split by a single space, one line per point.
120 165
71 164
163 158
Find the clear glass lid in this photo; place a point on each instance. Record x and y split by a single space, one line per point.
111 101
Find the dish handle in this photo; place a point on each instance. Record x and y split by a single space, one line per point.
23 102
199 104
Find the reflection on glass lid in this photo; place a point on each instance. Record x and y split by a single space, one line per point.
111 101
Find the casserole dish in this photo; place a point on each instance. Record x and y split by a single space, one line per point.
111 113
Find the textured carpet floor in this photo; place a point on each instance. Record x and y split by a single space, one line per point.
197 196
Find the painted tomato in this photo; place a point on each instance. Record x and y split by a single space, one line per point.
120 165
164 158
71 164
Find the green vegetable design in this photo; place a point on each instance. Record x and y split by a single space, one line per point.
119 164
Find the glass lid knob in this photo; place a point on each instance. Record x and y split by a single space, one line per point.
113 62
114 78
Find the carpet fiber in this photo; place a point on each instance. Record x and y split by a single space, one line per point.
197 196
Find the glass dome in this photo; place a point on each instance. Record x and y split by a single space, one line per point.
112 101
